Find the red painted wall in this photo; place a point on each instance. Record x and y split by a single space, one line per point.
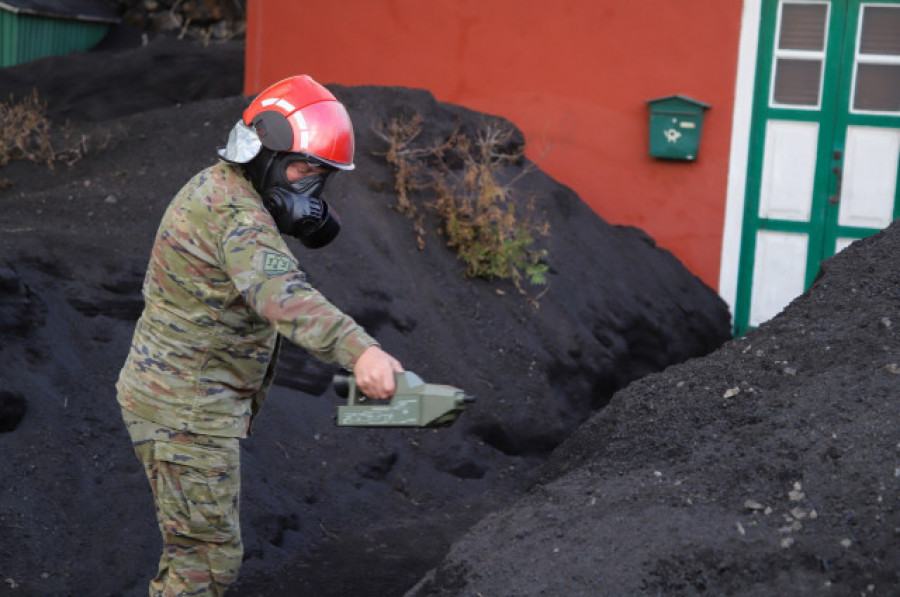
573 75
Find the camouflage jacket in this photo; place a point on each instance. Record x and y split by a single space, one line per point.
221 285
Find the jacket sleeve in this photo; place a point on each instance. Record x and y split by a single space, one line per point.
266 274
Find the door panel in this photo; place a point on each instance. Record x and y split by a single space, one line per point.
869 183
843 243
781 258
799 54
876 84
789 168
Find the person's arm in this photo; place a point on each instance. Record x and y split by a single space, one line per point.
268 277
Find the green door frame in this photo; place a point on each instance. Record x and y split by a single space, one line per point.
832 116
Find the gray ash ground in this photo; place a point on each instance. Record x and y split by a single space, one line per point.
770 467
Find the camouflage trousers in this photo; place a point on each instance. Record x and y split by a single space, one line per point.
195 481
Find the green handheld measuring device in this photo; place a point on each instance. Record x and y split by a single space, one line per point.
415 404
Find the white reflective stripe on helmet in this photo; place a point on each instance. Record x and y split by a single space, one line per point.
301 131
243 144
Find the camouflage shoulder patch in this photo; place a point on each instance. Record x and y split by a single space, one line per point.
275 264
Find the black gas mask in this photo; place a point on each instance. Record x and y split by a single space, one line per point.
296 207
304 217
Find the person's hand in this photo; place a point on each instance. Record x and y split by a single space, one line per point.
374 371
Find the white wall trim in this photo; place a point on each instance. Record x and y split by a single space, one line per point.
739 151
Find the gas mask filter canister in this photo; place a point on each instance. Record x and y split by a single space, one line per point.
296 206
304 217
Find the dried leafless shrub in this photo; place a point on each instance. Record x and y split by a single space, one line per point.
25 131
404 160
399 133
25 134
477 210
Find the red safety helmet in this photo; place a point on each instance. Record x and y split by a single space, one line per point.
296 115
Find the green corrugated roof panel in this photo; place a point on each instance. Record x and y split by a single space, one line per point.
32 29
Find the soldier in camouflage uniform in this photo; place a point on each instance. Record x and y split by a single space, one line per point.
221 288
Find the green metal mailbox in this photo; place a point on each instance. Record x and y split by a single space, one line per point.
675 125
